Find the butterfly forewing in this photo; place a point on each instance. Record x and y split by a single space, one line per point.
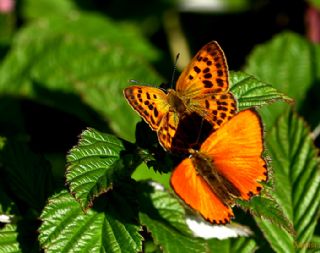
206 73
196 192
151 103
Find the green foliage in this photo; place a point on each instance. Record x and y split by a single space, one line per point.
250 92
94 165
267 208
291 64
164 218
8 239
65 227
91 61
296 182
77 62
233 245
276 61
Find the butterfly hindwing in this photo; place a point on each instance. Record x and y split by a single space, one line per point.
195 191
215 108
236 150
167 129
151 103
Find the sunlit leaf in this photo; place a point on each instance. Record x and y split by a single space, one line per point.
94 165
66 228
250 92
296 183
9 239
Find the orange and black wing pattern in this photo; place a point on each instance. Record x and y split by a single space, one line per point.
229 165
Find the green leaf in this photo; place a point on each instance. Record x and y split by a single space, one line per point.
296 183
26 174
286 62
94 165
78 63
241 245
19 235
144 173
313 246
9 239
65 228
266 207
16 231
164 218
250 92
291 64
43 8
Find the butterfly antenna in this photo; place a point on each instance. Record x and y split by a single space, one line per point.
174 69
200 130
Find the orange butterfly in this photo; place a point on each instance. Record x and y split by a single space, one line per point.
228 166
202 88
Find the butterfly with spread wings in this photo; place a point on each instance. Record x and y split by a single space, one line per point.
202 88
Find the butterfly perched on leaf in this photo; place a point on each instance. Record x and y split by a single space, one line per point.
228 166
202 88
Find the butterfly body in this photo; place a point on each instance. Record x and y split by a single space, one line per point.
202 88
177 103
218 183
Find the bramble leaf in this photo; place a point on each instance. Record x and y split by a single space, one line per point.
164 218
65 227
9 239
94 165
251 92
296 173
